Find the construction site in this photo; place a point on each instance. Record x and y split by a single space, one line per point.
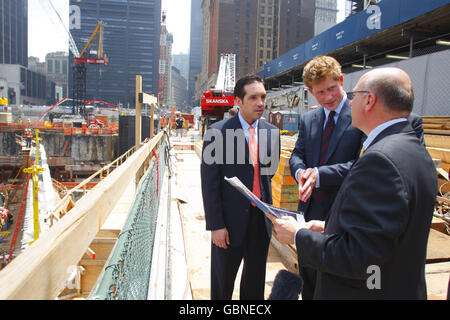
101 202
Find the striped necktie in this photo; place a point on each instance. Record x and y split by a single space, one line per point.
326 138
253 147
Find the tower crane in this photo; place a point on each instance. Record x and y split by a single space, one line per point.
79 68
80 61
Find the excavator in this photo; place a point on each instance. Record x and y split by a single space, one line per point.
218 100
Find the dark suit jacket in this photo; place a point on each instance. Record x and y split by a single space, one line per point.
224 206
344 148
381 216
417 124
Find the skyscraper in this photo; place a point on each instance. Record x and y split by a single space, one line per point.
14 32
326 11
165 63
195 47
257 31
131 42
18 84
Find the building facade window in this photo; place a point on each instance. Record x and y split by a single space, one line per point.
50 66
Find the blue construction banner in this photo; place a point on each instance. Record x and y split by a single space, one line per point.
376 18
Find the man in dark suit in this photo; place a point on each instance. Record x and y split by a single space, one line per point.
373 244
246 147
417 125
326 147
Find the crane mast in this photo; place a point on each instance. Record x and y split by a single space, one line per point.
215 102
226 75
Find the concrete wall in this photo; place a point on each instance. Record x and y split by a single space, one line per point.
8 145
83 149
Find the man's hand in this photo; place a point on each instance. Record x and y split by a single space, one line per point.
285 228
306 183
316 225
220 238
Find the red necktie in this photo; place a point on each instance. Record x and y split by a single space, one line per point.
253 147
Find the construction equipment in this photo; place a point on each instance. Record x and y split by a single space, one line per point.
81 60
215 102
91 120
79 68
35 171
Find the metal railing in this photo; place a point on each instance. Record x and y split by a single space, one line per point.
41 271
126 273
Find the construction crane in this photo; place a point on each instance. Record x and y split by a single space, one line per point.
79 68
215 102
80 62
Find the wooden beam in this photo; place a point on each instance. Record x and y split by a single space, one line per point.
288 254
440 153
438 248
138 111
152 122
437 141
39 273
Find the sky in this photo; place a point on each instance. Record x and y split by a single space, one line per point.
46 32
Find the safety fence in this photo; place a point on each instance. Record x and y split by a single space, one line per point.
41 271
126 273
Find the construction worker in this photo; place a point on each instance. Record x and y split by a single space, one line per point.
179 122
5 219
28 137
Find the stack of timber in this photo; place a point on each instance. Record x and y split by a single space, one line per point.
285 195
437 140
288 143
284 186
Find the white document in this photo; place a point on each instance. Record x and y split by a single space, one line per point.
264 207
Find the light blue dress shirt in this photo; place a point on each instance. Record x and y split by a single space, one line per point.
245 125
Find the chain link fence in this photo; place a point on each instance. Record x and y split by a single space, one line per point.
127 271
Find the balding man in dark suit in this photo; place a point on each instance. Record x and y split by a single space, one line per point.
373 244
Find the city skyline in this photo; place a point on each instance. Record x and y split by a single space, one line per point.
43 21
46 32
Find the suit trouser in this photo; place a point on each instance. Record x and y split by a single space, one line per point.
309 282
253 250
315 212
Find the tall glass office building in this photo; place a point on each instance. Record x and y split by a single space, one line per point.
131 43
14 32
195 48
